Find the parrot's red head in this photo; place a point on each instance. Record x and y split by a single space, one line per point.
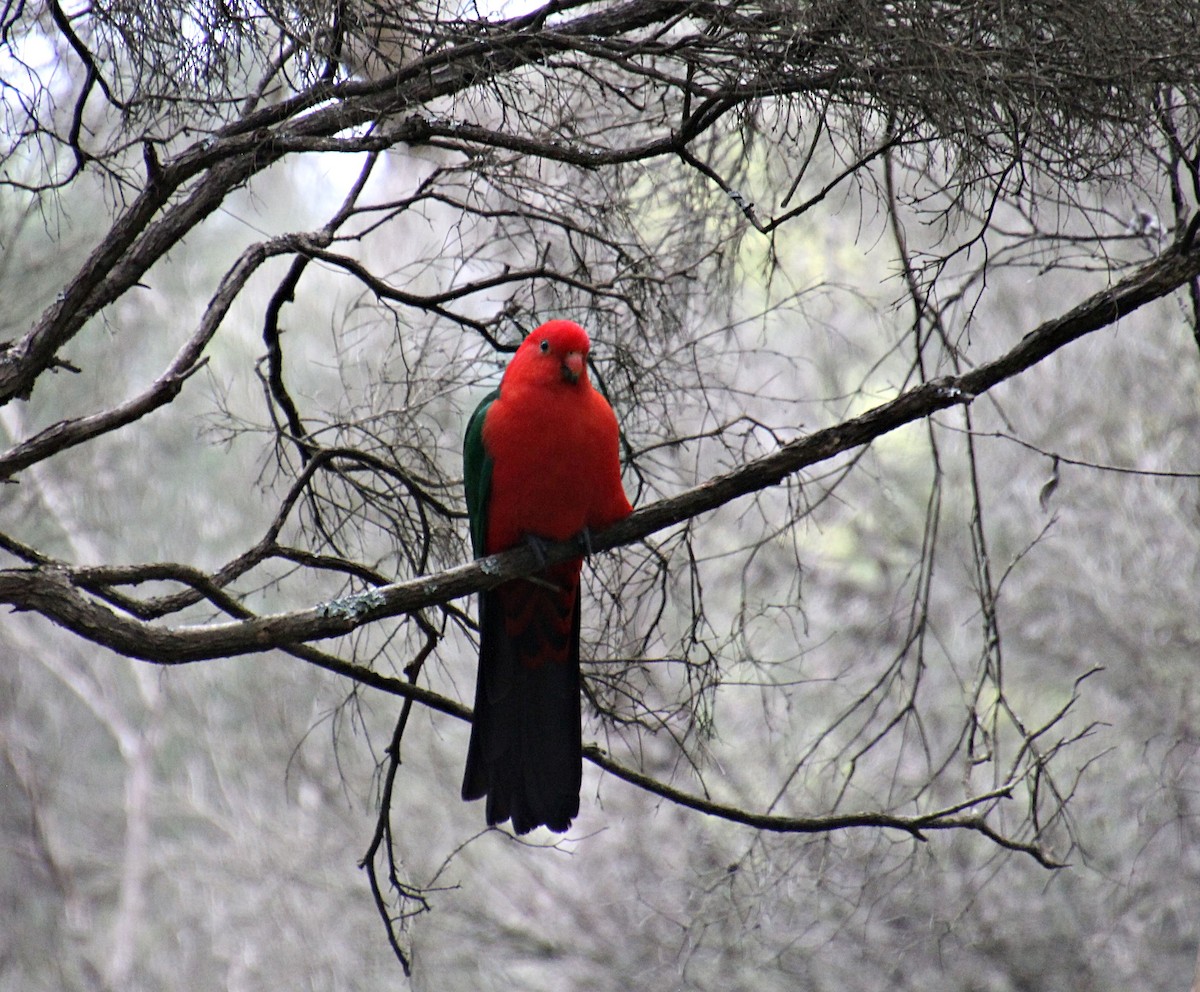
555 352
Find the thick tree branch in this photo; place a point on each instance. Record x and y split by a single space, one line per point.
710 64
56 592
320 117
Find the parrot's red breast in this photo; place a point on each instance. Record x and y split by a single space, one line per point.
553 442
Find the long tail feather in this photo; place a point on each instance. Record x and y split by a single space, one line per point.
525 753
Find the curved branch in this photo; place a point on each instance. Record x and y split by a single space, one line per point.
324 115
949 818
69 433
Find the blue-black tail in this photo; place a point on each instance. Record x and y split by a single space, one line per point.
525 753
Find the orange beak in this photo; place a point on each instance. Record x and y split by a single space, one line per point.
572 366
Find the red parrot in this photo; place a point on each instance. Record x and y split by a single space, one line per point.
541 463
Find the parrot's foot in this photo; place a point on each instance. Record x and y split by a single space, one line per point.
585 541
538 546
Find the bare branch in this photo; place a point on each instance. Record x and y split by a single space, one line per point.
54 593
166 387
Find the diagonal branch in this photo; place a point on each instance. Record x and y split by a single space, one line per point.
57 592
69 433
323 116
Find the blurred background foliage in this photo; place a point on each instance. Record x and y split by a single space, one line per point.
984 597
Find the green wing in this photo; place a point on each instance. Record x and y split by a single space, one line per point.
477 473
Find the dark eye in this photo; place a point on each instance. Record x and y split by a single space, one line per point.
545 346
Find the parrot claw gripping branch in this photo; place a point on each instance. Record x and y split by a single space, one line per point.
541 463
